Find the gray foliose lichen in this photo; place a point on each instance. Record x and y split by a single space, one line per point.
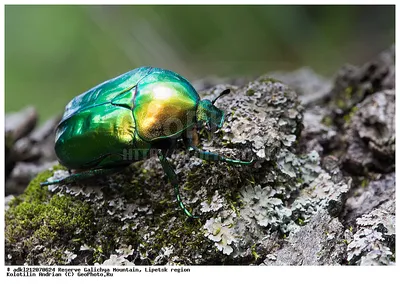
374 241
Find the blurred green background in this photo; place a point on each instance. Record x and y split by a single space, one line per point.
53 53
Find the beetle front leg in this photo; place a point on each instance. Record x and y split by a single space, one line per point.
169 171
82 176
210 156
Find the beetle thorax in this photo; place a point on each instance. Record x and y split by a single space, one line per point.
210 114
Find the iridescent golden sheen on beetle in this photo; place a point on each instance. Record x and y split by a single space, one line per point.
163 110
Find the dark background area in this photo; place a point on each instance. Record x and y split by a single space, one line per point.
53 53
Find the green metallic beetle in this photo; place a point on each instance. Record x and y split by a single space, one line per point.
121 120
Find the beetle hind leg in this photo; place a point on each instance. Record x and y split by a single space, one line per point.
169 171
82 176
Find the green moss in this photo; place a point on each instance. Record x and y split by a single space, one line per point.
347 117
344 98
341 103
327 120
34 192
254 252
348 93
185 234
364 183
270 80
38 219
250 92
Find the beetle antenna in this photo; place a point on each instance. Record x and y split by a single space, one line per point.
224 92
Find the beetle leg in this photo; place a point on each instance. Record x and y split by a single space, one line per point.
83 176
169 171
210 156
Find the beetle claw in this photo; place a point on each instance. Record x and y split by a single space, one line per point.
208 126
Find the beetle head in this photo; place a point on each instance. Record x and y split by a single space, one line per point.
209 114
